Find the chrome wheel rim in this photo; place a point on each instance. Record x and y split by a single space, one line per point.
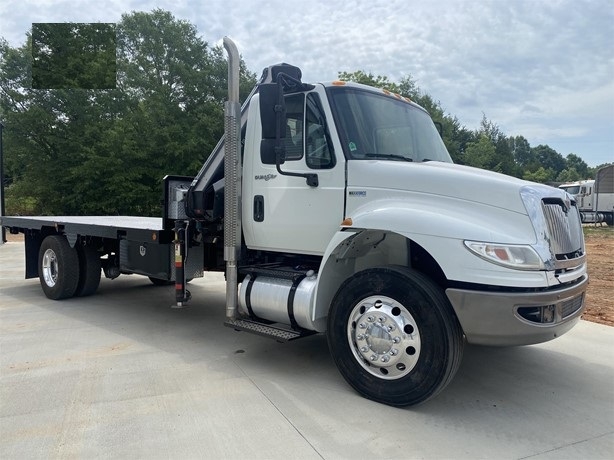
50 267
384 337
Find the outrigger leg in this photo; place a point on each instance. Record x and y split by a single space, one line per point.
182 295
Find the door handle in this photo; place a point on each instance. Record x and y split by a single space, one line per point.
258 208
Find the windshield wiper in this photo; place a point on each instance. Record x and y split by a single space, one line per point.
388 156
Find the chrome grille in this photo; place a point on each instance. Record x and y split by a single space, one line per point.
565 229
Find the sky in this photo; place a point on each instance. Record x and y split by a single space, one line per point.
542 69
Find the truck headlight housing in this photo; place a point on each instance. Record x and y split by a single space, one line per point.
518 256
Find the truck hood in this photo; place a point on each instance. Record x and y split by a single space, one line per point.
443 179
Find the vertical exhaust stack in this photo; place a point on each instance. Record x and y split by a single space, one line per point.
232 179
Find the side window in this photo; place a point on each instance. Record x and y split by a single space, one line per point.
295 110
318 149
306 132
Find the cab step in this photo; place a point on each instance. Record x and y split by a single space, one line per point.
272 331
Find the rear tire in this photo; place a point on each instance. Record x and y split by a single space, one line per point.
58 268
89 271
394 336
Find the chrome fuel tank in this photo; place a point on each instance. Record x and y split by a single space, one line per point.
271 298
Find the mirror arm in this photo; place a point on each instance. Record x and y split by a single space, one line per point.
311 178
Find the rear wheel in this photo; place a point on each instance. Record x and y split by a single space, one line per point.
394 336
58 268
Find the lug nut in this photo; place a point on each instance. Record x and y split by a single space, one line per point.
360 337
391 327
385 359
382 319
370 319
362 326
373 357
397 339
394 352
364 349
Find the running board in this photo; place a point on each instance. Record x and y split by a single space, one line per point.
281 334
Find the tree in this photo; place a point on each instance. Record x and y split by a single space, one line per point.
550 159
540 175
568 175
481 153
576 163
523 155
72 55
489 149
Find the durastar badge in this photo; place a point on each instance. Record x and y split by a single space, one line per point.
265 177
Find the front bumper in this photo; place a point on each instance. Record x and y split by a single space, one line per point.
494 318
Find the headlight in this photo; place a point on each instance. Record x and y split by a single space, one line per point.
520 257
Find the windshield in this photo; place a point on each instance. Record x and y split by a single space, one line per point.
571 189
380 126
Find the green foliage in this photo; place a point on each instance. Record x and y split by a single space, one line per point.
82 151
569 175
71 55
576 163
550 158
480 153
540 175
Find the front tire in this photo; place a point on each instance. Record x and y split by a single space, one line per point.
58 268
394 336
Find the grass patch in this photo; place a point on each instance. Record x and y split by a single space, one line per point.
598 231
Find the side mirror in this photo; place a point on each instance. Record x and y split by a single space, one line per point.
273 123
269 152
272 111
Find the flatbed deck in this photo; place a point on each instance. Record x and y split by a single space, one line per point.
115 227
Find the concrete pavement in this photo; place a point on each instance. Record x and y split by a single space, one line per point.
122 375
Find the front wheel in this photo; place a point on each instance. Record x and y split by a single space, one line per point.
394 336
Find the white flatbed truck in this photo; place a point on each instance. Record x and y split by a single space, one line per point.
335 208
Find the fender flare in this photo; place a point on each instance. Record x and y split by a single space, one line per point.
438 230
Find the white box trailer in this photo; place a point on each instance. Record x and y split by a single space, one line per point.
594 197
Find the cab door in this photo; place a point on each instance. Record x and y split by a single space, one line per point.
283 213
